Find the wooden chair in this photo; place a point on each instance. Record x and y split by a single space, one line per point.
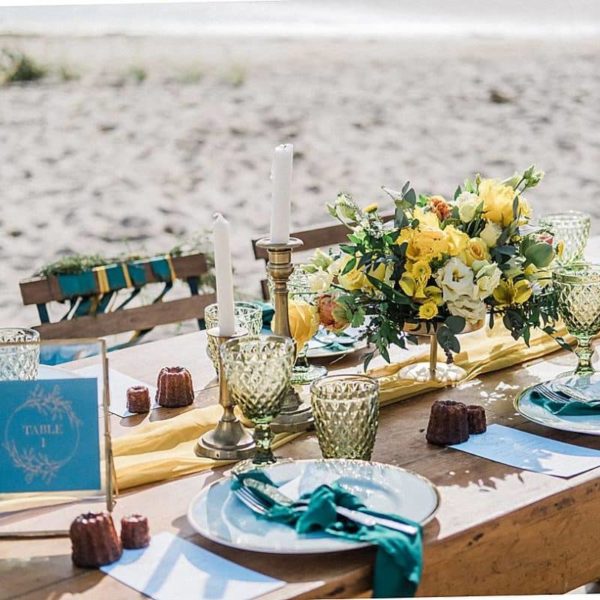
319 236
96 312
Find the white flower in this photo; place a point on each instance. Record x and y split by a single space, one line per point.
487 280
467 206
471 309
455 279
320 281
490 234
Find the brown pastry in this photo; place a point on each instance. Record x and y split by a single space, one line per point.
448 423
135 532
138 399
477 421
175 387
94 540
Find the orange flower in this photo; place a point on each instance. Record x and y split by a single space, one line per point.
440 207
331 314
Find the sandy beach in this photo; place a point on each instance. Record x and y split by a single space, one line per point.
154 134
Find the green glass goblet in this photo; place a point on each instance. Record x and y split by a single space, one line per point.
577 289
573 229
257 370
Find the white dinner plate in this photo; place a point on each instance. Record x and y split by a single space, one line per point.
218 515
589 424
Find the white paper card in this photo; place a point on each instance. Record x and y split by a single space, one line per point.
171 567
119 383
531 452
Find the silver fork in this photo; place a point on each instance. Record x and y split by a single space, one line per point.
553 395
547 391
256 504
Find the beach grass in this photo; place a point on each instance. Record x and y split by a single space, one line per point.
18 67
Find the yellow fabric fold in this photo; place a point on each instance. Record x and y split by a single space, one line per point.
163 450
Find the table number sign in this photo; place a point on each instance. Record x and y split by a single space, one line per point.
50 436
55 444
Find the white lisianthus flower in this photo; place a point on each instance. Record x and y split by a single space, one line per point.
467 206
455 279
487 280
320 281
490 234
471 309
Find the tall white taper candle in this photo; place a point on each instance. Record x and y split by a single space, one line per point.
224 276
282 187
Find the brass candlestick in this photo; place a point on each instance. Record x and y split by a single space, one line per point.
295 415
229 440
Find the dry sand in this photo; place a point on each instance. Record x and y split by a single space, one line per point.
107 164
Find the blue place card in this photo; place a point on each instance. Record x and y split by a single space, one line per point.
49 436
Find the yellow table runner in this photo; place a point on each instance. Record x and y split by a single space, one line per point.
165 449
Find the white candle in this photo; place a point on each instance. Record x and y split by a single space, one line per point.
282 188
224 276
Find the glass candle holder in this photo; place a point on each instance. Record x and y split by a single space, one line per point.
346 413
248 316
299 290
573 229
19 353
258 369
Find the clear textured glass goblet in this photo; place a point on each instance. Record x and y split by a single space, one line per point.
346 412
573 229
577 289
257 370
299 289
19 353
248 316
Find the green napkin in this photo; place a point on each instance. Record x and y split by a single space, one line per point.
399 559
572 409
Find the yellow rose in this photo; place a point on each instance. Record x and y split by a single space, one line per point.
304 322
511 292
406 235
428 310
427 244
408 284
498 202
476 250
457 240
427 219
354 279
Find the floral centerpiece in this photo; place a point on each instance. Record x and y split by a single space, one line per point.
442 264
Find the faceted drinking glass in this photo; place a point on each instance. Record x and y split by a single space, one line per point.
346 413
577 289
248 316
19 353
258 369
573 229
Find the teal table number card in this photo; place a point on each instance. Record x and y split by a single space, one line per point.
49 436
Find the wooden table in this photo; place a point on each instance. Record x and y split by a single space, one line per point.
499 530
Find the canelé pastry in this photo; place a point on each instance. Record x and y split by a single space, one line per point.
477 422
94 540
138 399
448 423
135 532
174 387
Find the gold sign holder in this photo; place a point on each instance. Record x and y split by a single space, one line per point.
111 489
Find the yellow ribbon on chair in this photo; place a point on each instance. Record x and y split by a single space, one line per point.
102 277
163 450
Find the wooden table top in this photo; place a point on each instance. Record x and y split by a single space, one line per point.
499 530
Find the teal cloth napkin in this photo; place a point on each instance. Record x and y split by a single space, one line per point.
399 559
572 409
